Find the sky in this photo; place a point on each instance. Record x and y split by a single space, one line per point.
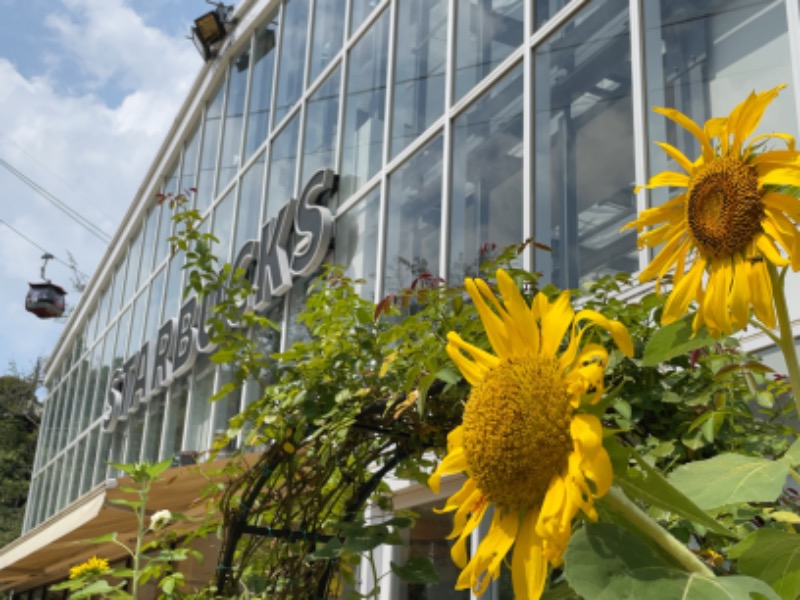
88 90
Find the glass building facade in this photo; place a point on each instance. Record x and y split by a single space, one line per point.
456 127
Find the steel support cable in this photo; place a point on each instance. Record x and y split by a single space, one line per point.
30 241
70 212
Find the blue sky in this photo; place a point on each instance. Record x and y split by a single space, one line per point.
88 90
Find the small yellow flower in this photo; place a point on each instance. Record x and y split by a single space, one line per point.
522 444
733 216
94 566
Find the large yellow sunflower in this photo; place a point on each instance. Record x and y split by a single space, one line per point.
731 217
522 444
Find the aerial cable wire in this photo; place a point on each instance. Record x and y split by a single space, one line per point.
30 241
52 172
70 212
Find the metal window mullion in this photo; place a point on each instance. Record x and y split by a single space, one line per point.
528 139
246 109
447 147
223 118
345 63
381 270
638 100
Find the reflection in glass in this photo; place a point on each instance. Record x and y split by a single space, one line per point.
487 31
199 428
282 162
149 243
261 88
155 422
122 339
153 321
223 223
702 57
248 218
228 407
134 260
231 158
356 241
91 453
584 147
189 170
420 61
293 56
117 290
364 109
359 11
102 458
322 115
544 10
174 295
174 420
414 210
328 32
162 243
208 156
486 210
137 324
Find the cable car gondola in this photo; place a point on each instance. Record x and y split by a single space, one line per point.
45 299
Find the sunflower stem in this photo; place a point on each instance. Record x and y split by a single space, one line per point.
786 342
646 525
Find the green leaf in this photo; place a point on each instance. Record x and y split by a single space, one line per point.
771 555
674 340
418 569
607 562
648 485
793 453
101 539
731 479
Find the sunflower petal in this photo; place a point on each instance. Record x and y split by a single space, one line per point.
683 293
691 127
528 565
492 323
556 318
676 155
522 324
485 565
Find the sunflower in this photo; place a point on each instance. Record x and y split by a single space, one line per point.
91 568
734 215
525 449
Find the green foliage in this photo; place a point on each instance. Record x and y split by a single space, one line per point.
607 562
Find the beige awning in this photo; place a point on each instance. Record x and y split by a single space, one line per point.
46 553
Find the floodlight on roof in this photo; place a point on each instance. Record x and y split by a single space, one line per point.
210 28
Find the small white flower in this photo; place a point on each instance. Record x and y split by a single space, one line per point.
160 519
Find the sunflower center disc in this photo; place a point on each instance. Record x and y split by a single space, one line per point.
724 210
517 430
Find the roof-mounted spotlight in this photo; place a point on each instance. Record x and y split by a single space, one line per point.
211 28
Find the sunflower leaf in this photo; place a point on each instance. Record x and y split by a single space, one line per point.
730 479
604 562
771 555
674 340
651 487
418 569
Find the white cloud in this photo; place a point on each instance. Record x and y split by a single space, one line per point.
89 143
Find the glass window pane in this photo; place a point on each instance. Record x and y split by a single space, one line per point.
282 162
356 241
117 290
105 373
544 10
223 223
294 34
703 57
328 34
322 117
137 323
122 339
174 420
155 295
230 161
584 147
208 156
89 460
228 407
261 88
248 218
359 11
148 243
198 434
162 242
420 55
154 426
189 165
174 295
487 31
134 260
362 149
486 210
414 210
